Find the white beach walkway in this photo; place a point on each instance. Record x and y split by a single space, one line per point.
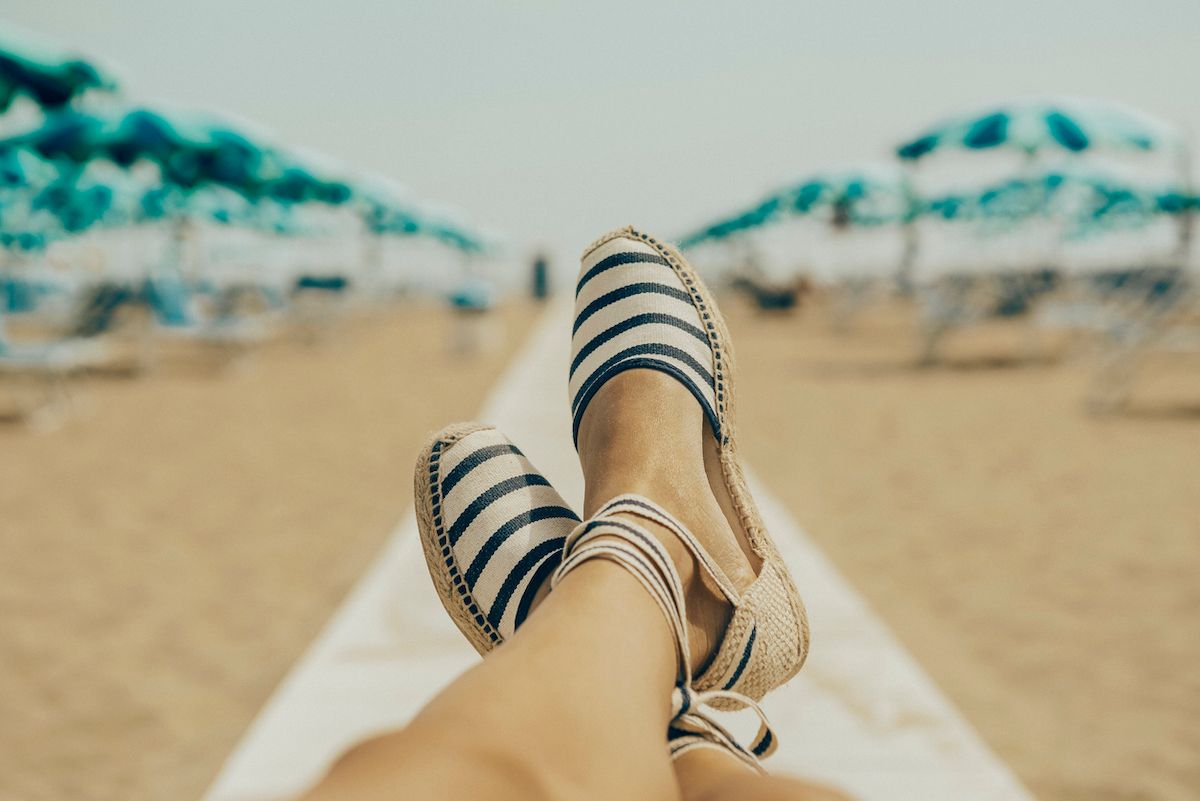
861 715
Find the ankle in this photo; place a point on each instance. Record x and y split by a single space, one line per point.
704 619
609 471
681 557
674 486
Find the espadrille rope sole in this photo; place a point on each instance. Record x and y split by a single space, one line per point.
491 526
639 304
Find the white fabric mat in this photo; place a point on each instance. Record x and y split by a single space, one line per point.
861 715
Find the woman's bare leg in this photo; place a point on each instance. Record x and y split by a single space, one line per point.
576 703
574 706
705 774
645 433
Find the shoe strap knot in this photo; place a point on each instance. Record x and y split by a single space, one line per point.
691 713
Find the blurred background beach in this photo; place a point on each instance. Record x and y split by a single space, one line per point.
254 253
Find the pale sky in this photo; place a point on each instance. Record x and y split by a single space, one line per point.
553 122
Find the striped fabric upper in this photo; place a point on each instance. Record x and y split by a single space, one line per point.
499 524
632 310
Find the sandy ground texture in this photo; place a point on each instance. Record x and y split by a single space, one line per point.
172 551
1040 563
170 555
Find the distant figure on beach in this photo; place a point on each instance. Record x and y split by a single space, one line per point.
540 288
609 640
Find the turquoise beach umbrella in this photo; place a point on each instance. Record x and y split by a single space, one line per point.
386 207
76 205
388 211
50 76
446 225
61 203
1014 199
203 162
190 150
22 168
65 136
298 183
1087 201
1063 124
458 237
852 197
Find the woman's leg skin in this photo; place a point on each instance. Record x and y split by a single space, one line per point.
574 706
644 433
705 774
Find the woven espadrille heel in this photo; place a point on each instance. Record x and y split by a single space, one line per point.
492 528
631 546
639 305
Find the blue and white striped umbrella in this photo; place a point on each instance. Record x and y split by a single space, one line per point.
1065 124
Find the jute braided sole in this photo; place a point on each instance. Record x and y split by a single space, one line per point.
427 497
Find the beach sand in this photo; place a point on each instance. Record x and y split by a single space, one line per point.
172 551
1040 563
168 556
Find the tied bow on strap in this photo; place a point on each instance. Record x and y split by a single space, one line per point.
688 715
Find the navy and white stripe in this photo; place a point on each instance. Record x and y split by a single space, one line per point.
632 310
501 527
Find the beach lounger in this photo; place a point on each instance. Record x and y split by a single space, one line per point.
227 336
1168 323
49 368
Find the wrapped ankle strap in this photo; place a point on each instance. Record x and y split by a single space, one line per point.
647 509
629 545
691 719
635 549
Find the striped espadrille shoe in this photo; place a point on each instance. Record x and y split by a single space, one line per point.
611 534
492 527
638 304
478 496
